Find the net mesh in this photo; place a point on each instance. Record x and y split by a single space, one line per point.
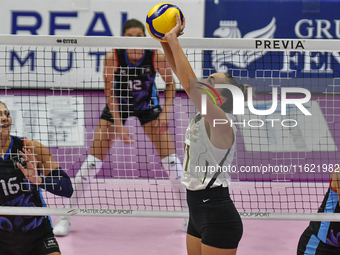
54 88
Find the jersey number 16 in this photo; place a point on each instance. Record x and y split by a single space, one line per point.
12 188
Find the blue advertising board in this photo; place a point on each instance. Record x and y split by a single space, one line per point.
284 20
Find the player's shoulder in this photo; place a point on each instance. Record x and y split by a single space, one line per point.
19 139
158 56
111 54
158 52
22 141
111 58
33 143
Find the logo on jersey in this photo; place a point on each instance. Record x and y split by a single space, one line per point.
146 70
17 158
239 58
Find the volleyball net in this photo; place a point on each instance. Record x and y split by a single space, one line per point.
287 138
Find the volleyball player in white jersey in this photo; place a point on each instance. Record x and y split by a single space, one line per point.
215 226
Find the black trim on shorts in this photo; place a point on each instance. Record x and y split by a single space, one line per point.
213 218
144 116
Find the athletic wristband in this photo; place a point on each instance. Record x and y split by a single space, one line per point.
57 182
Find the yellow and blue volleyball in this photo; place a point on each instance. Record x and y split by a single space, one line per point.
161 19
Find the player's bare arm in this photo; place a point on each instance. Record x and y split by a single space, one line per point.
163 68
220 135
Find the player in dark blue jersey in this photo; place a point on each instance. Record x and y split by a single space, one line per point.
130 90
323 237
26 166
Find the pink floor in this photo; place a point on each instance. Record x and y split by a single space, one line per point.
162 236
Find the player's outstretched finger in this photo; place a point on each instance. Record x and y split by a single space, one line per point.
24 155
20 166
23 170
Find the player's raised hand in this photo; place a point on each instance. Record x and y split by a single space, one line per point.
30 171
177 30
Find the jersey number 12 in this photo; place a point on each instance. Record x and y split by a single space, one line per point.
135 84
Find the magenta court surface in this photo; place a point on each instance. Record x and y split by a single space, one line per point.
131 177
163 236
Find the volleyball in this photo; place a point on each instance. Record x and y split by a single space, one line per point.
161 19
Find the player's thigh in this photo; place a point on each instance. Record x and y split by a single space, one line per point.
163 143
193 245
152 132
209 250
104 130
104 137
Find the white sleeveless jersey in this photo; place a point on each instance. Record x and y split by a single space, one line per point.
204 163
